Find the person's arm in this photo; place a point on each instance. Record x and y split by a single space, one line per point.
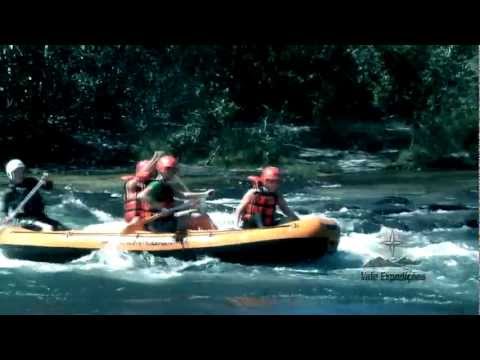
242 206
145 172
147 195
187 194
4 201
282 204
153 161
30 182
177 193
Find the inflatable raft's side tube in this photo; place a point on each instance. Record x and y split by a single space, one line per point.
305 239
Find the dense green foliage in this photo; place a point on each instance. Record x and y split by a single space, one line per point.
108 105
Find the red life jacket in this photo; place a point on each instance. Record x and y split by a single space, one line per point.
133 206
263 203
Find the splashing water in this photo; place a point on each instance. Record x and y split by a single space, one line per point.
111 281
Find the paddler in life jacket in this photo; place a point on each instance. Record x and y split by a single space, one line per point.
258 205
32 216
160 195
145 172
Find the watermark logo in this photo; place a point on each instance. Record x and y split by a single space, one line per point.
392 241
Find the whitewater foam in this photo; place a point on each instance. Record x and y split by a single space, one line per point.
113 226
444 249
367 246
223 220
99 214
6 262
409 213
304 198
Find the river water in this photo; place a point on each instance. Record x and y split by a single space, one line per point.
434 216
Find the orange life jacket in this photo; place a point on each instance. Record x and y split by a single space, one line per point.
263 203
133 206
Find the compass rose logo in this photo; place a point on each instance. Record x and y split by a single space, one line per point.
392 241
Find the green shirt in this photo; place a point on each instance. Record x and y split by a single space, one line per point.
160 191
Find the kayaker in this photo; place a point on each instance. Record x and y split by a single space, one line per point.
145 172
32 216
160 195
257 207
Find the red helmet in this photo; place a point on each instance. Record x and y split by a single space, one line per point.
270 173
141 165
140 172
166 161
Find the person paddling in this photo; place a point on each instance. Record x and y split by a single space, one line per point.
160 195
257 207
133 184
32 216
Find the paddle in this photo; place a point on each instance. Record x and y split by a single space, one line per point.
202 201
138 223
200 197
27 198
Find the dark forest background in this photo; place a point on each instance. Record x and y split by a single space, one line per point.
89 105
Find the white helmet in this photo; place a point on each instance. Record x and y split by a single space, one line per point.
13 165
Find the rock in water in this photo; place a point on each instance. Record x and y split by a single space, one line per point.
392 205
473 223
392 209
303 211
446 207
381 262
331 206
406 261
366 227
396 224
394 200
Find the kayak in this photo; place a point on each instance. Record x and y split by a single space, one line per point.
301 240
